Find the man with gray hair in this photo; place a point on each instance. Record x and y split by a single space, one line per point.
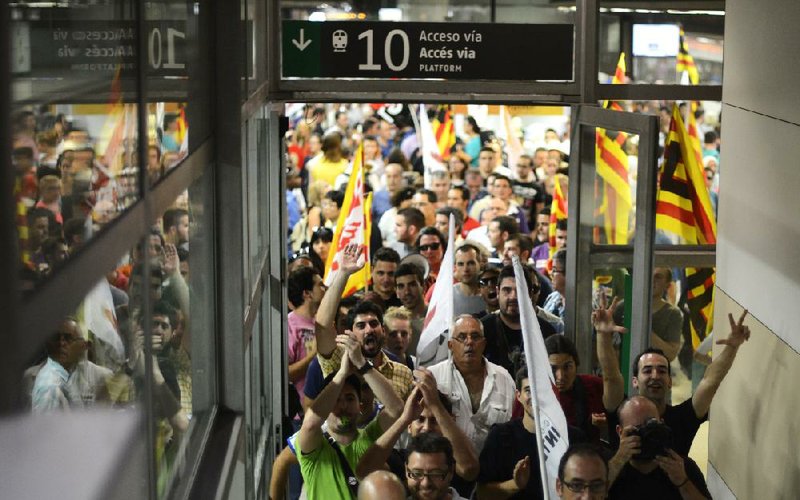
481 392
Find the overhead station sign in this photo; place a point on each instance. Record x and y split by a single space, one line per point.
455 51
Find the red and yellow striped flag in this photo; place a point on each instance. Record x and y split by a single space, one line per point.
444 131
686 61
558 211
683 208
612 168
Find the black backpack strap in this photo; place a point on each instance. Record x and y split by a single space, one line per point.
352 480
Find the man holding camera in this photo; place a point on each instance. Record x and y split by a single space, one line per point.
652 379
645 466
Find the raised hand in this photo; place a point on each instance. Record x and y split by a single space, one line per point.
353 258
740 332
522 473
427 386
603 317
413 407
171 261
352 347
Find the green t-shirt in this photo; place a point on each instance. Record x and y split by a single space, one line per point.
322 472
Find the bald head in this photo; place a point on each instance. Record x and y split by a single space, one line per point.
637 410
381 485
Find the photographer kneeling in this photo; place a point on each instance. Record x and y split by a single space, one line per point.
645 466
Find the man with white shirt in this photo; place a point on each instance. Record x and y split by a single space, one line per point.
482 393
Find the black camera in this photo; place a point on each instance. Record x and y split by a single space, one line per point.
656 439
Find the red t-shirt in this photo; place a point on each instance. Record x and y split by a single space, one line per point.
593 390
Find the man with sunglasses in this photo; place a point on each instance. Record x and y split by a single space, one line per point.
481 392
503 328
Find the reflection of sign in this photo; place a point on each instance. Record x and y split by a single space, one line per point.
428 50
102 45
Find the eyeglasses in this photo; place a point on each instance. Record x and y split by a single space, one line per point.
488 282
434 475
579 486
474 337
432 246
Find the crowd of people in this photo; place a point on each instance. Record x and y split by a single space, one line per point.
65 192
374 417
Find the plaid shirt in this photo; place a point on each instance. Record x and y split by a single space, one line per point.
398 374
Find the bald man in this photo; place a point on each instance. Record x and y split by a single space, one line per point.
381 485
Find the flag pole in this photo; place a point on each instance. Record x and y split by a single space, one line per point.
523 295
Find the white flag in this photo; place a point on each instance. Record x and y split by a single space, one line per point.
432 346
100 318
429 148
551 424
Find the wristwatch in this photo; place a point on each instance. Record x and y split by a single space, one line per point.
367 366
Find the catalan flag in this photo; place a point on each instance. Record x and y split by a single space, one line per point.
558 211
686 61
444 131
612 168
353 226
683 208
182 137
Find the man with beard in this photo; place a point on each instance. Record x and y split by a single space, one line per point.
429 468
651 378
663 476
503 329
481 392
328 457
366 322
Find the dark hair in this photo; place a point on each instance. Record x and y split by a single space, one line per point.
168 119
44 170
521 375
501 177
430 194
463 190
508 272
404 194
474 124
300 280
429 442
74 227
406 269
171 217
331 141
506 224
352 380
561 224
544 211
486 148
363 307
322 233
432 231
386 254
38 212
559 344
335 196
396 156
525 241
586 450
413 217
164 308
710 137
649 350
457 216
